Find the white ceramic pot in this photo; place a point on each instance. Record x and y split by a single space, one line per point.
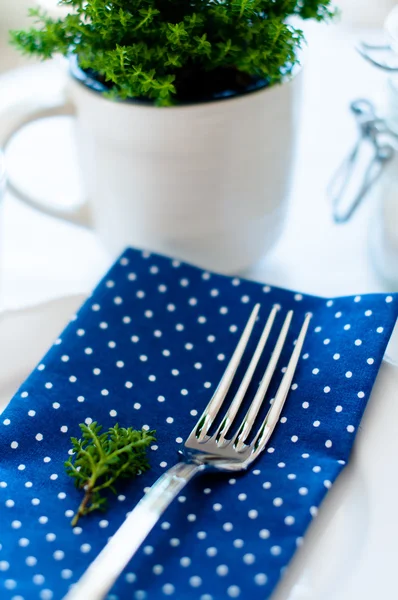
204 182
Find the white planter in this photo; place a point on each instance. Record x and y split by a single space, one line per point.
204 182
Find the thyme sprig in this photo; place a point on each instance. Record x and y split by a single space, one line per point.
100 460
174 50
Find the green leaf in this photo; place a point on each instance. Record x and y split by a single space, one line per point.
203 46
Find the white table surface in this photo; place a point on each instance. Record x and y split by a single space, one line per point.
44 258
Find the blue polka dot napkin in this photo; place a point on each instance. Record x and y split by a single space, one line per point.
147 349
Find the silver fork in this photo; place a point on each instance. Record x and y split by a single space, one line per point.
202 452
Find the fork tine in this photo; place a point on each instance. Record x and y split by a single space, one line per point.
240 394
271 419
251 415
204 423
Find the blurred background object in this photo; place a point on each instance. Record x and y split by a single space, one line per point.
13 13
365 13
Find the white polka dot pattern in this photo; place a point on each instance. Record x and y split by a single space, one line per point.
148 349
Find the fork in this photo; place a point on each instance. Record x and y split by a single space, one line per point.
203 452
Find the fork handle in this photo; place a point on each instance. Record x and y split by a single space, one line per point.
106 568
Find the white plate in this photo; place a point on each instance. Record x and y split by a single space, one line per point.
25 336
350 551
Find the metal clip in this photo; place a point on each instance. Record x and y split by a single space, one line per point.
364 164
382 56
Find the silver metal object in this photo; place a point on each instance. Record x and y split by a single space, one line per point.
384 53
357 174
203 451
382 56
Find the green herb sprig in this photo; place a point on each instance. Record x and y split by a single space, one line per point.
174 50
99 460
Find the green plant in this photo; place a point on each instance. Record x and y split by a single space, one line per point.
175 50
99 460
